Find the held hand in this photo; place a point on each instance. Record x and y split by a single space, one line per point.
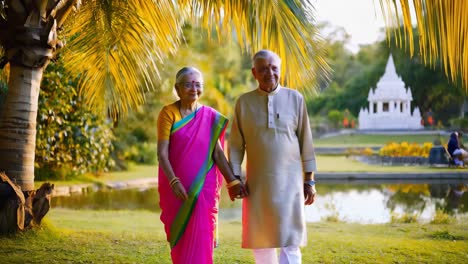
309 194
237 191
244 188
179 191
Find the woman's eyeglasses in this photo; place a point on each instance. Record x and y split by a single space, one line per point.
188 85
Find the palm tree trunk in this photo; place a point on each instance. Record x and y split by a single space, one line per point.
28 35
18 125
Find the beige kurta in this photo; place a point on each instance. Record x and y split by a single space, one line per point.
273 129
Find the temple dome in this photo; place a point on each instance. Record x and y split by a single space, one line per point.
390 104
390 86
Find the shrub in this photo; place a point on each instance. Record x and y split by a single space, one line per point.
405 149
71 139
405 218
441 217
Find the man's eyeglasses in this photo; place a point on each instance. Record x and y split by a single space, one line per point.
188 85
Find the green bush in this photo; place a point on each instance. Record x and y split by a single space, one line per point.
71 139
459 123
441 217
135 137
335 117
405 218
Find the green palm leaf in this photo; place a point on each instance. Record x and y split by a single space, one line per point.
116 45
442 27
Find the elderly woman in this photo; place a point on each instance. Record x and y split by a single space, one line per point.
191 161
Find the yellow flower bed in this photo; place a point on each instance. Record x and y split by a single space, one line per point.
405 149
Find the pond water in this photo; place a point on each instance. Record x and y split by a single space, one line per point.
349 201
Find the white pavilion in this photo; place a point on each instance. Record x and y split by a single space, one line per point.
390 104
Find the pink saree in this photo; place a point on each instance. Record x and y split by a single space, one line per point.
191 225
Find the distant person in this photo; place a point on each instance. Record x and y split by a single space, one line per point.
272 126
345 122
430 118
190 154
459 155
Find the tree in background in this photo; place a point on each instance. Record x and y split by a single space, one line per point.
433 92
431 89
71 139
351 79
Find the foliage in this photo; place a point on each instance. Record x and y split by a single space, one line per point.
441 217
335 117
432 92
354 75
405 149
459 123
71 139
334 216
120 46
359 151
404 218
442 31
445 235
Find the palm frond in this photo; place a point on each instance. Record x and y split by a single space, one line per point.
442 28
285 27
115 46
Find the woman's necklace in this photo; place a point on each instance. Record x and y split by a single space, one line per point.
187 111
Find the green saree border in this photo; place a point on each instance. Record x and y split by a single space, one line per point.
181 123
182 218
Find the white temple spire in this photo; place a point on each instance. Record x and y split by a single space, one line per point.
393 103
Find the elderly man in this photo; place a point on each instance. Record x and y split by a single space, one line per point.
271 124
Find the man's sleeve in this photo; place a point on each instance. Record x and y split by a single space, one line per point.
236 143
304 135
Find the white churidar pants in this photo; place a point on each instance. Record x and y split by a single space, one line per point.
288 255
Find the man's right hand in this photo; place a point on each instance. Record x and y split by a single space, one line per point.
238 191
309 194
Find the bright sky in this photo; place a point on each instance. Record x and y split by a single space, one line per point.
362 19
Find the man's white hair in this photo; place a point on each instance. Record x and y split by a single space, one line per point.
265 54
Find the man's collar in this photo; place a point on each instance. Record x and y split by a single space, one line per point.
264 93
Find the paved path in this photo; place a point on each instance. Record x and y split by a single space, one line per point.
461 174
386 132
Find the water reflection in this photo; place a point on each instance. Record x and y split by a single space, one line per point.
350 202
129 199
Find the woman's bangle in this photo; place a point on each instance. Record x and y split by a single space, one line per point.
174 181
233 183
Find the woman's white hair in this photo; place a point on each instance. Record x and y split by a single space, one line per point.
185 71
265 54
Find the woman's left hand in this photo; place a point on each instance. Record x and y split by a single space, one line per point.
237 191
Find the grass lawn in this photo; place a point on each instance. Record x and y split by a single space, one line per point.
86 236
361 140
